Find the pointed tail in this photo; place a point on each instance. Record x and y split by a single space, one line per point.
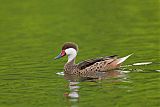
120 60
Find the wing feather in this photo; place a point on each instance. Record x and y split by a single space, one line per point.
89 62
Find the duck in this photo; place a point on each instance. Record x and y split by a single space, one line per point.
90 66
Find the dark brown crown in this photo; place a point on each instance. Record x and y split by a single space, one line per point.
69 45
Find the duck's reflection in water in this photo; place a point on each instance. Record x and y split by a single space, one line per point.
73 95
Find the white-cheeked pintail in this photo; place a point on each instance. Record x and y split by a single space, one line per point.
90 66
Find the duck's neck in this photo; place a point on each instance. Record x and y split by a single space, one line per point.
69 66
72 57
71 62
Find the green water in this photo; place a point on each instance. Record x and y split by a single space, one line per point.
31 35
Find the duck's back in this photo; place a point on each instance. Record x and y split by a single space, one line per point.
98 65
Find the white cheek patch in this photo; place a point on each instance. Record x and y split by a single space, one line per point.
72 53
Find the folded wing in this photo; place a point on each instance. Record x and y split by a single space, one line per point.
89 62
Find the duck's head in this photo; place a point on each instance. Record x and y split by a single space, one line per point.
70 49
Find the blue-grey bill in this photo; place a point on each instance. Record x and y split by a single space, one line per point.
57 57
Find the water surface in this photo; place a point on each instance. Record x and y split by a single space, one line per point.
31 35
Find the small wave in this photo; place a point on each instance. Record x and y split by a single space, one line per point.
60 73
158 70
123 66
142 63
125 71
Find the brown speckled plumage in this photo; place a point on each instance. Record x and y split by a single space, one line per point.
91 66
